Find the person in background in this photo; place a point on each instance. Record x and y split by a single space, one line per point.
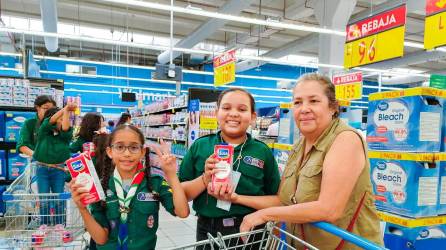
125 118
253 160
128 219
314 185
92 124
51 152
111 125
28 133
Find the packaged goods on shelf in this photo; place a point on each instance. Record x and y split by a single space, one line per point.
166 119
2 127
6 101
281 154
16 164
442 189
166 132
405 183
408 120
13 123
2 164
167 103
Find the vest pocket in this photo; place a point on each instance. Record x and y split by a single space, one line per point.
309 184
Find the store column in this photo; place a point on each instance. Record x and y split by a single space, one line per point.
332 14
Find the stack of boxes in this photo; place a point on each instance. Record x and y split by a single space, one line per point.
405 135
19 93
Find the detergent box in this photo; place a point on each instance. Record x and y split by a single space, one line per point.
408 120
2 164
16 164
83 172
14 122
281 154
442 192
420 238
2 126
405 183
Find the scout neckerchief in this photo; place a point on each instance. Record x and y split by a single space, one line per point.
124 202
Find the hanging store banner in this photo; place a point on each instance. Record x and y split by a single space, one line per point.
348 86
435 24
375 39
224 68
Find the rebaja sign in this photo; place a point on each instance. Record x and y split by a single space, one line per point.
407 120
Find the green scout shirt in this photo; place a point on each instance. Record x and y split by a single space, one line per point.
28 134
76 145
51 148
143 217
258 168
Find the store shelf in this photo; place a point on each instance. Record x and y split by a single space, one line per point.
411 222
164 110
16 108
168 124
169 139
7 145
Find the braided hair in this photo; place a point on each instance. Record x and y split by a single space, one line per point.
107 166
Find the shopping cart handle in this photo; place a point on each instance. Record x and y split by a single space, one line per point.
361 242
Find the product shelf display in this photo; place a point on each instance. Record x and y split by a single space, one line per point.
405 132
17 97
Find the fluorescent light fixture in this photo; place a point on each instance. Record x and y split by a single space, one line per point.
218 15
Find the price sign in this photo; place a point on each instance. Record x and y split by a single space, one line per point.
224 68
375 39
435 24
208 123
348 86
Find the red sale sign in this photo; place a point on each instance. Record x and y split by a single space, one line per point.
381 22
435 6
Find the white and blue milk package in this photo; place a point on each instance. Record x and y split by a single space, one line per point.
442 192
14 122
406 184
407 120
2 164
281 154
16 164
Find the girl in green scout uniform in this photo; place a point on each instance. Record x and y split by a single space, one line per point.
91 124
253 163
128 219
51 152
28 133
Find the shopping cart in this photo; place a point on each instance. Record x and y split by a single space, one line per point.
272 237
37 221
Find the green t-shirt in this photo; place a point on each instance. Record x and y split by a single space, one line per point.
143 218
258 168
51 147
76 145
28 134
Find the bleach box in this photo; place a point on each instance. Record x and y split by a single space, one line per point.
2 164
442 194
405 183
16 164
408 120
13 123
2 126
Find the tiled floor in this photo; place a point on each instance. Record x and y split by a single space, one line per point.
174 232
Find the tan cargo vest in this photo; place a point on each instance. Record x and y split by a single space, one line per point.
302 183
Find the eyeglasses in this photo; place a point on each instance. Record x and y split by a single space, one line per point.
119 148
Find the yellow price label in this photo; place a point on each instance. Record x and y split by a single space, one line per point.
224 74
435 31
375 48
208 123
349 91
286 105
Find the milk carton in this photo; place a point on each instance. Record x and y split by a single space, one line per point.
13 123
16 164
83 172
224 155
407 120
405 183
442 193
281 154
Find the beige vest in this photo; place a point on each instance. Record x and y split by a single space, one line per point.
302 183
